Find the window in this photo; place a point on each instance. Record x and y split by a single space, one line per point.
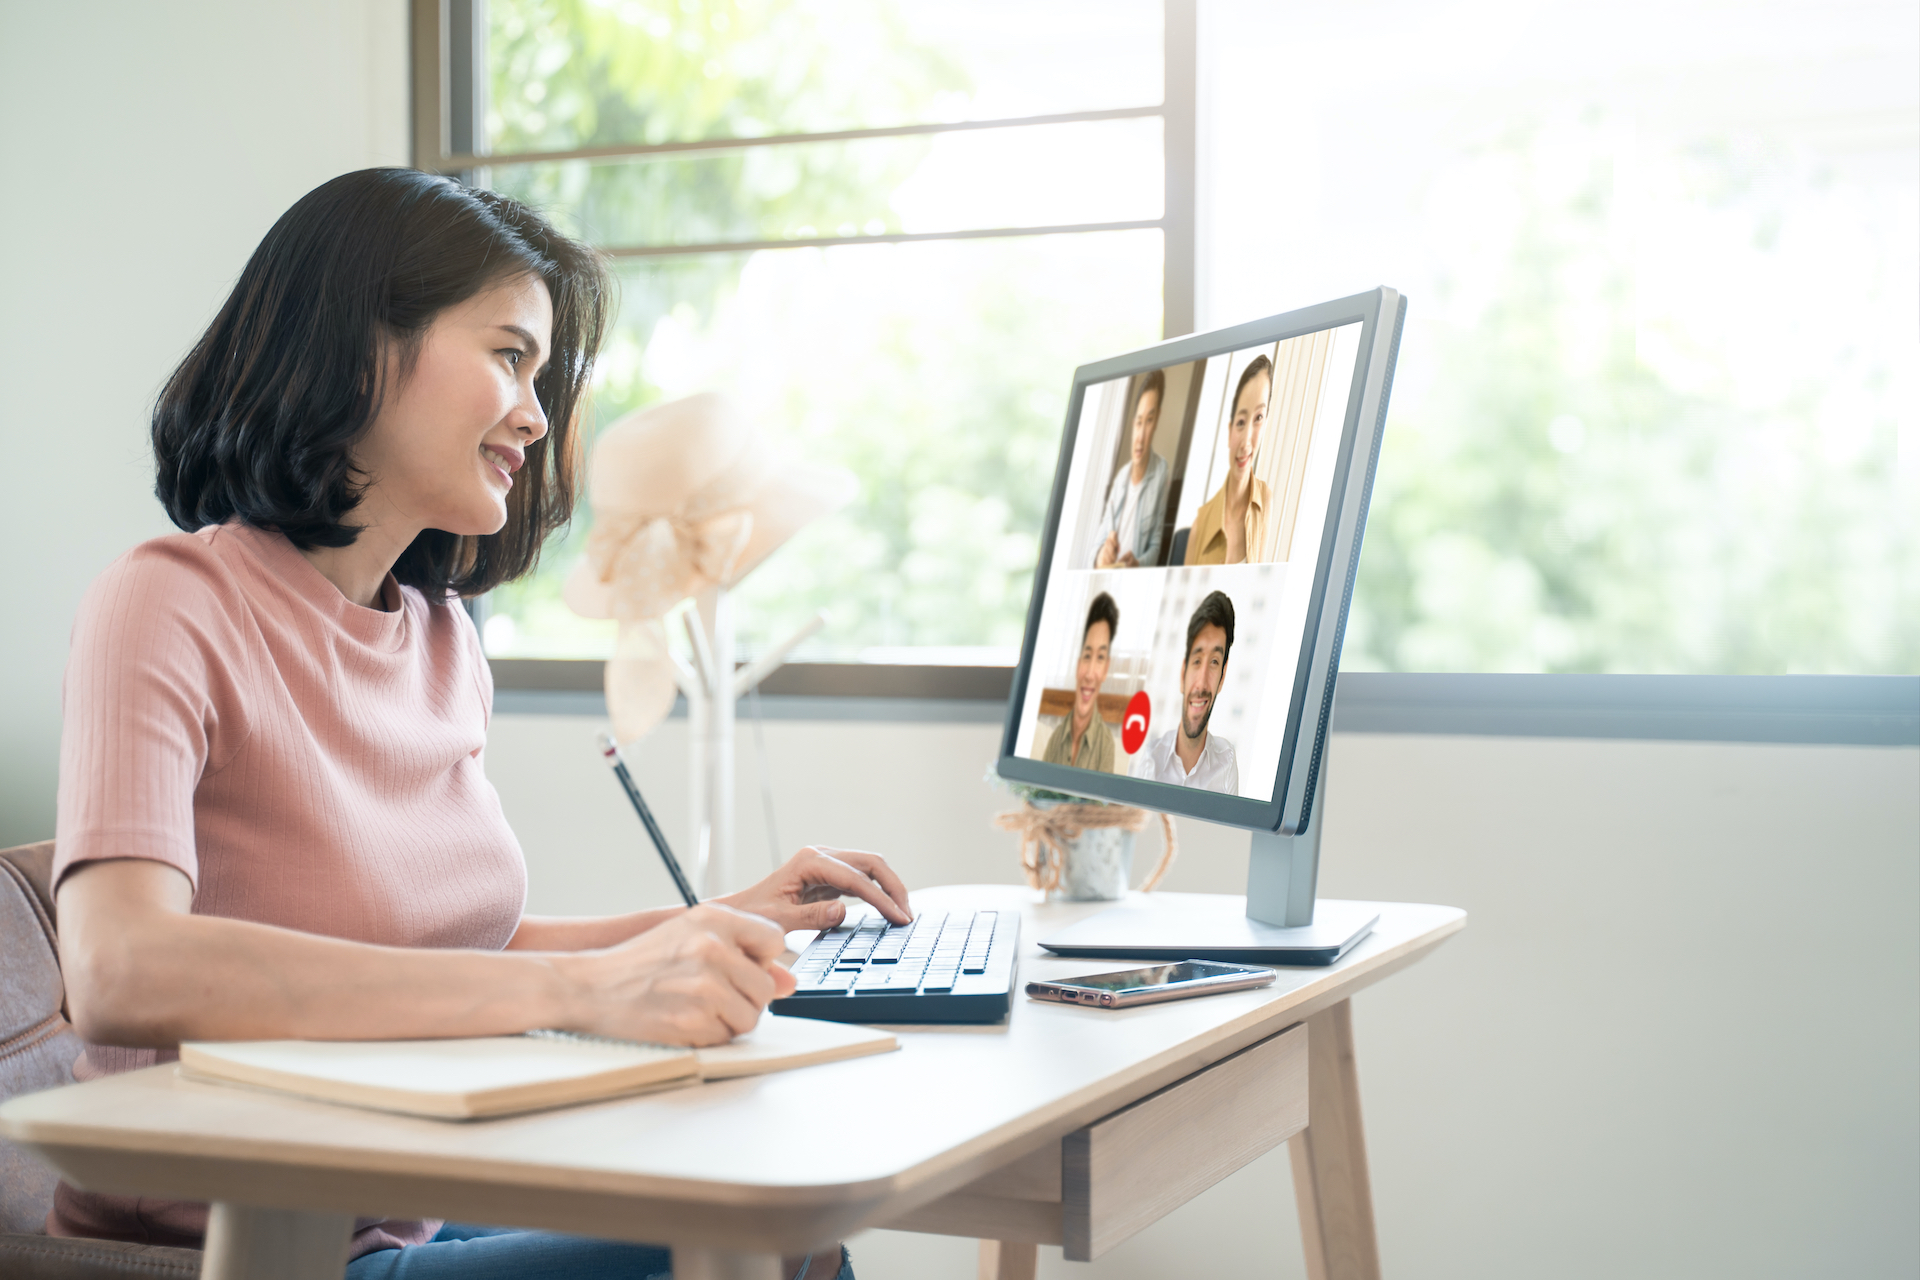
887 228
1658 406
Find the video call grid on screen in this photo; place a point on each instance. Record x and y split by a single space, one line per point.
1172 471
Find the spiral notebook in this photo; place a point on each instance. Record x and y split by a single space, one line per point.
504 1075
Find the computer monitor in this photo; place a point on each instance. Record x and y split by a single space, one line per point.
1184 634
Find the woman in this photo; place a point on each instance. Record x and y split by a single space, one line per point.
273 821
1138 494
1083 739
1231 526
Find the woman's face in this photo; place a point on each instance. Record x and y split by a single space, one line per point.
442 449
1249 417
1096 656
1146 417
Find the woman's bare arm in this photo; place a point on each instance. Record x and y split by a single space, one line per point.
586 933
141 970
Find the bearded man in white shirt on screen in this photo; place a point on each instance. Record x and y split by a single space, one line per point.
1188 754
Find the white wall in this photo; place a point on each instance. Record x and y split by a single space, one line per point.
146 150
1679 1036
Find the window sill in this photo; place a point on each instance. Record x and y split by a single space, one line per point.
1855 710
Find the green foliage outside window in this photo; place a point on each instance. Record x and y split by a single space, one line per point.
1553 501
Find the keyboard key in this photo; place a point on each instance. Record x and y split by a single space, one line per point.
829 982
882 982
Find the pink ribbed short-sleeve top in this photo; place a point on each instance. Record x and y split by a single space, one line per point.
305 761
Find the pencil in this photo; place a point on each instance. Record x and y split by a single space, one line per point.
611 750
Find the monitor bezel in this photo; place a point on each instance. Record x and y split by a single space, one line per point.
1289 808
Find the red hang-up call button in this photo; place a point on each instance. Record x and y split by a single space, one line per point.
1133 728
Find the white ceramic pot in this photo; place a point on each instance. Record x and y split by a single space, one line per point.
1098 864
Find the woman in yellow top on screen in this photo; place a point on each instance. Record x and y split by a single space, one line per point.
1083 739
1231 526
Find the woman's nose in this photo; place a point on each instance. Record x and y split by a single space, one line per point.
529 419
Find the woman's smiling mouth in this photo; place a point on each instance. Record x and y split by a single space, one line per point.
505 459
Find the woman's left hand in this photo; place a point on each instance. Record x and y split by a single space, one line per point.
806 893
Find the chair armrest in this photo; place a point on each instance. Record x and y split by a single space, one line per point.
31 1257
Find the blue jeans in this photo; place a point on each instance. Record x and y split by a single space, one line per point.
502 1253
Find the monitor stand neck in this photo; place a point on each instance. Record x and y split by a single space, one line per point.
1282 869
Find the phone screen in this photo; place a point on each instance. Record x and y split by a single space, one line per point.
1159 975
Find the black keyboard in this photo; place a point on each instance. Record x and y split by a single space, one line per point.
944 966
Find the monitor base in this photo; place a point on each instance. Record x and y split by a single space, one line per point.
1219 930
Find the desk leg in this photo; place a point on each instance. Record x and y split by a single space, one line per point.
723 1264
244 1243
1330 1157
1008 1260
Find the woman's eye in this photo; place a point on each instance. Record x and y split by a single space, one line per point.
514 356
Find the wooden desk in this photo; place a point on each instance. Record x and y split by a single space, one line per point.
1060 1125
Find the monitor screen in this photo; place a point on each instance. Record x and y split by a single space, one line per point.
1180 586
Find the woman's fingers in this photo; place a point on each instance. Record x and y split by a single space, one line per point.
858 874
734 981
875 870
821 915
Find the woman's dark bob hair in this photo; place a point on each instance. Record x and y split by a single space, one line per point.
259 421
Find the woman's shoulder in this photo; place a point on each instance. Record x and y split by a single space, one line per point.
174 573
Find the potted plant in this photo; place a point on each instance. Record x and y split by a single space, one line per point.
1080 850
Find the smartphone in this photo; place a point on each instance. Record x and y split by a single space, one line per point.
1152 984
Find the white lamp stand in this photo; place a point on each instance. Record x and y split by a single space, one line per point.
713 686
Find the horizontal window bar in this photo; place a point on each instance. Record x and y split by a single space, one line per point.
1056 175
535 702
469 160
1860 710
795 679
1853 710
901 237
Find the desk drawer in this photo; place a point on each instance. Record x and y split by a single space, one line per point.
1101 1184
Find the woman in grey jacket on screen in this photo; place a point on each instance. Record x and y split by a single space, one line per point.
1138 495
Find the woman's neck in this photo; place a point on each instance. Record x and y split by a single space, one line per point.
360 569
1239 487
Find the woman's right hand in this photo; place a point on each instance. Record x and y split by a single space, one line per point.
701 978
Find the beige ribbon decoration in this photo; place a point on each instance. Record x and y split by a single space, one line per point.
650 566
1045 833
686 498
